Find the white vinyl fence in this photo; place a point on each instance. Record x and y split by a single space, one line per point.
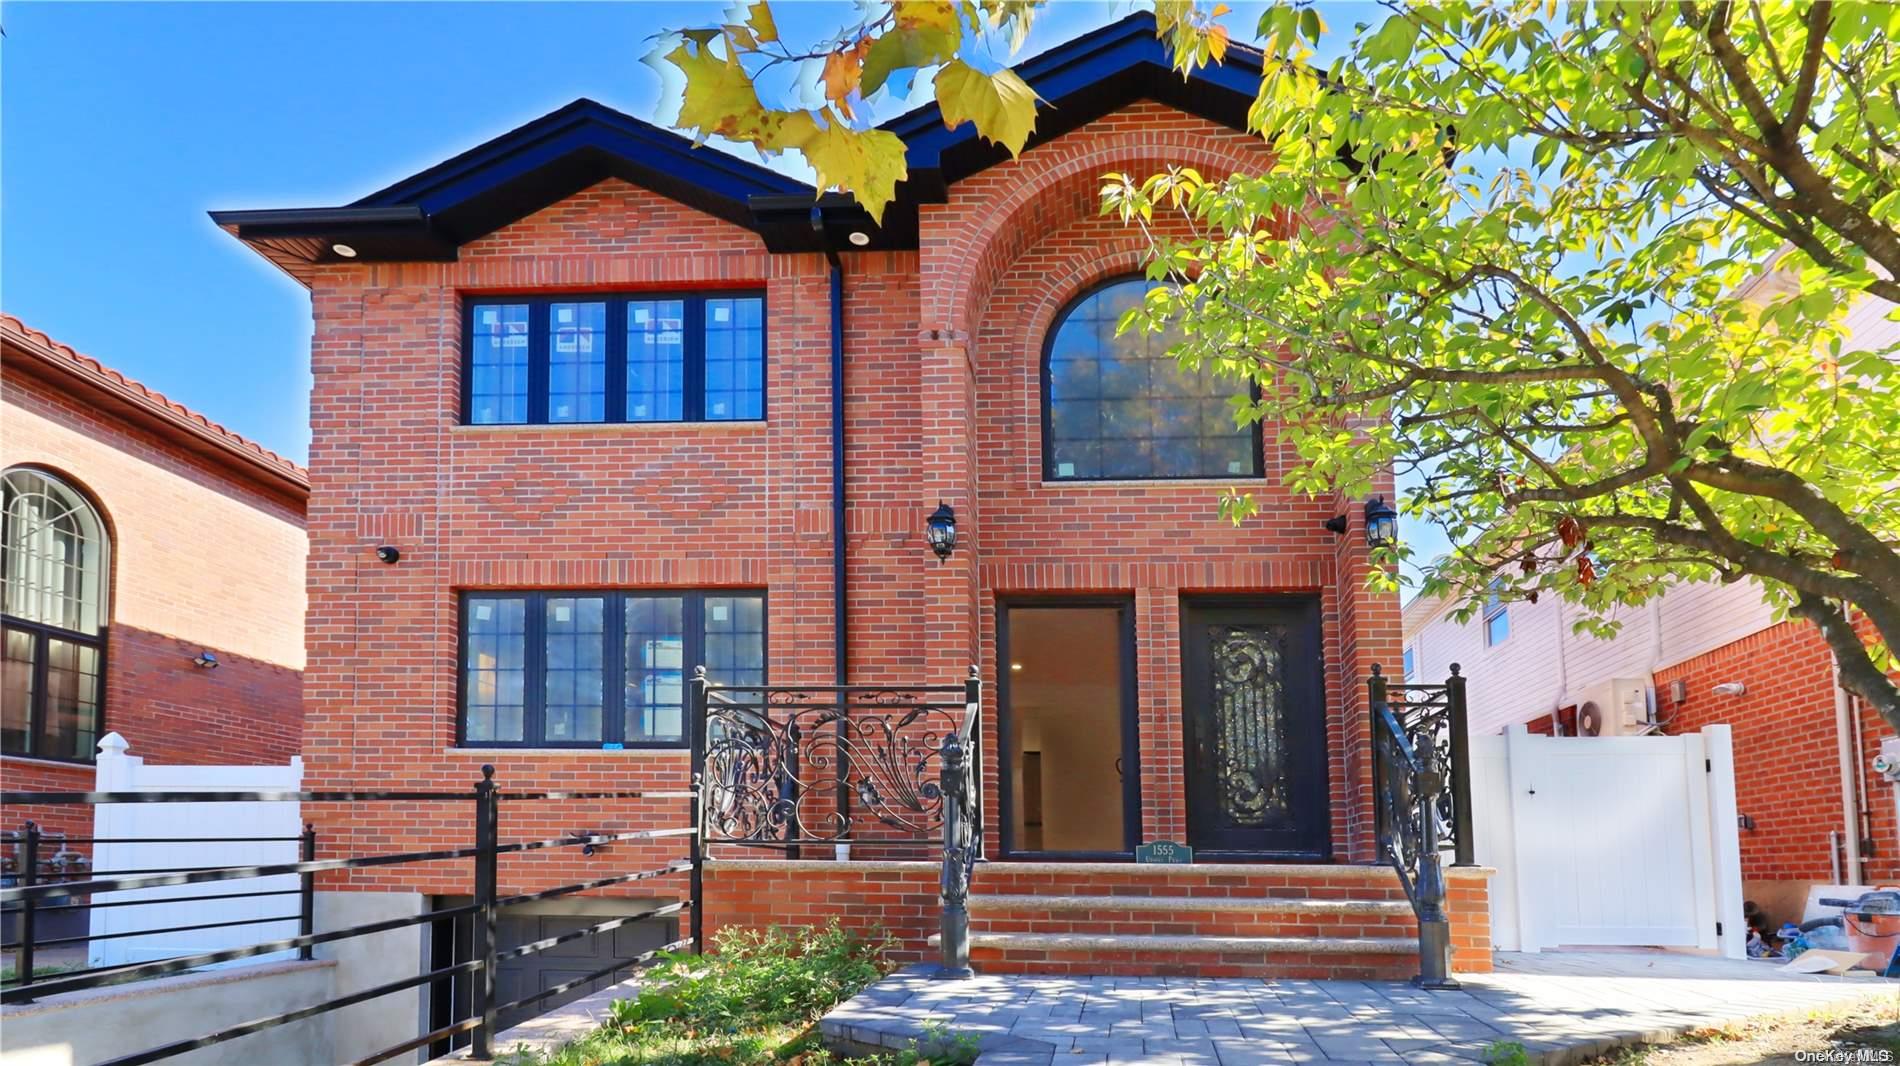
1610 840
146 836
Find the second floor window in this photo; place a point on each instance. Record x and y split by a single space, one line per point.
1497 619
1411 664
685 358
588 669
1118 406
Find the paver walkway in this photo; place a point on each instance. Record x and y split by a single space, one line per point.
1562 1007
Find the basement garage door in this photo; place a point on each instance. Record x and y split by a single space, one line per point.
529 922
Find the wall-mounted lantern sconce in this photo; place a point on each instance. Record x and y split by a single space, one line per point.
940 529
1336 525
388 553
1382 523
205 661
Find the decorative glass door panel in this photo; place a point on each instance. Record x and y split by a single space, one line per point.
1255 729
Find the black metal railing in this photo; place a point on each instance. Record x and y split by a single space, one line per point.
879 767
1422 801
31 894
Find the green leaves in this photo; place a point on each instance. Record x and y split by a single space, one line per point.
1001 105
1577 341
722 67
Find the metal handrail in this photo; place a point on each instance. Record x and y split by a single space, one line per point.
32 894
962 790
1421 763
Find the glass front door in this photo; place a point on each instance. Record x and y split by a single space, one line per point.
1069 786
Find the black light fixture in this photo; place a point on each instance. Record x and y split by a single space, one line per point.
389 553
940 529
1382 523
205 660
1336 524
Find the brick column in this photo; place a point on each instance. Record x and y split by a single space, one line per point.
1370 631
948 400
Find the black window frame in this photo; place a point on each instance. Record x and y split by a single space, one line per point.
613 665
1258 451
692 359
43 635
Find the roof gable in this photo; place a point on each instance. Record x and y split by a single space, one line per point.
1080 81
430 215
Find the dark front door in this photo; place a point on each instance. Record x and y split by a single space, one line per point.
1256 729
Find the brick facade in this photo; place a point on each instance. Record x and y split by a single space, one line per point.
207 554
942 346
1787 759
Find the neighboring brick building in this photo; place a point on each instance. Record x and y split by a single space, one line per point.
139 536
1812 807
582 377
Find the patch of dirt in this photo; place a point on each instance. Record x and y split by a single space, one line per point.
1867 1034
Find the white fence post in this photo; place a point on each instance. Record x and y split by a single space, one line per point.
126 829
1724 824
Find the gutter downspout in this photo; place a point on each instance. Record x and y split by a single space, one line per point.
840 620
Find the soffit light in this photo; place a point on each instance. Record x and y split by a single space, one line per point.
344 250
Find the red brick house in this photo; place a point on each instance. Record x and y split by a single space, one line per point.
624 406
153 578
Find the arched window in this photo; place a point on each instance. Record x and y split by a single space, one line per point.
1119 407
53 556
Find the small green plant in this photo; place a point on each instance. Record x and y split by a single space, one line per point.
1506 1053
752 1002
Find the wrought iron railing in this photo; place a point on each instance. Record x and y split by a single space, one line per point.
30 895
1422 801
881 768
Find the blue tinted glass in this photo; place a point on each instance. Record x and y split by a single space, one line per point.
577 362
1121 407
735 359
572 675
493 689
655 657
498 365
656 351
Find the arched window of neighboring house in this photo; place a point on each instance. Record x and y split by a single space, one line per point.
53 557
1120 407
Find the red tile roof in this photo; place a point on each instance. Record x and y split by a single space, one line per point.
198 433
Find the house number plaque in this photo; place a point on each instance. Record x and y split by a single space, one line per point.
1164 851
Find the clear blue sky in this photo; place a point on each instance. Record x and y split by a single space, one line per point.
124 123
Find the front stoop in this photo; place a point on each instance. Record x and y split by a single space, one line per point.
1202 920
1559 1018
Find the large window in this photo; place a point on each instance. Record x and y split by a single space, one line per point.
1120 407
599 669
616 359
53 555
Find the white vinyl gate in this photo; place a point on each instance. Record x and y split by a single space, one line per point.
132 829
1609 840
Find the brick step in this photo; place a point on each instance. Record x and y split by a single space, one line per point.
1199 880
1356 958
1223 916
